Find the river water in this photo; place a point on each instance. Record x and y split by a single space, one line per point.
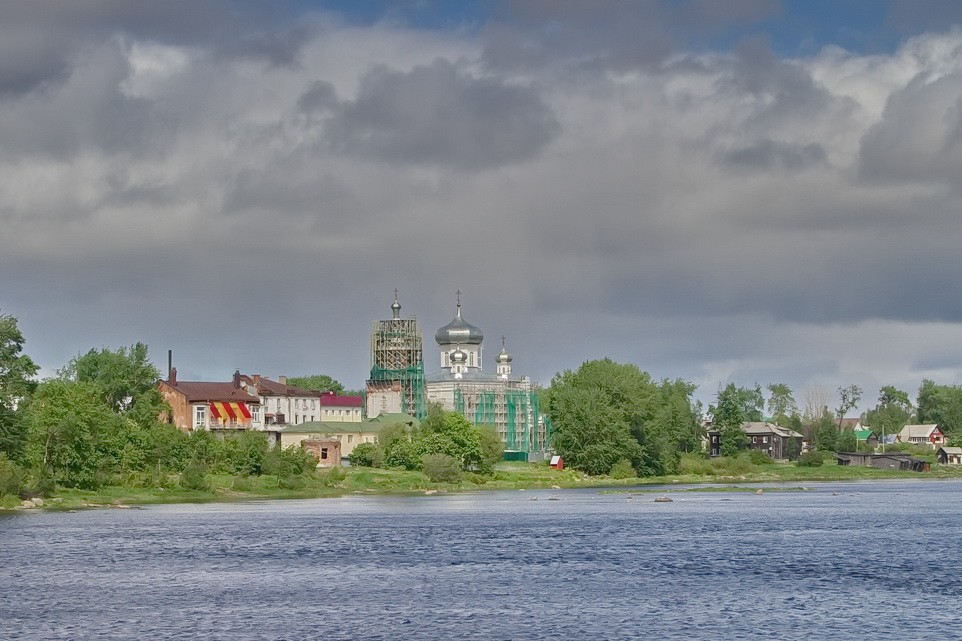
874 560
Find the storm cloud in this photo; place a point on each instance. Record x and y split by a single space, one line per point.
247 187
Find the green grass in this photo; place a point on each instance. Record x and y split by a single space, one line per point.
506 476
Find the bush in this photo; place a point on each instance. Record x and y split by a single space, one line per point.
297 482
367 455
757 457
194 476
442 468
695 465
242 483
11 477
811 458
332 476
288 462
476 479
622 470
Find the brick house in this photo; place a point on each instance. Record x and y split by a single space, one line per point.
201 405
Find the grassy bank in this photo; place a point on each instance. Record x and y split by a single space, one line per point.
507 476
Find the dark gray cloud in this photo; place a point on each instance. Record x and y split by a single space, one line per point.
607 34
728 215
439 115
920 135
773 154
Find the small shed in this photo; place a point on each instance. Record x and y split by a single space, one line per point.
557 463
949 455
327 451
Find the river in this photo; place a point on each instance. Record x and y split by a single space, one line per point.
870 560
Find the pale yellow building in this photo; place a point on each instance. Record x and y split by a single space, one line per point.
348 433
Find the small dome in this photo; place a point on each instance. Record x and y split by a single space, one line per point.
395 307
504 356
458 356
459 332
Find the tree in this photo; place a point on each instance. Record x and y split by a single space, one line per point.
492 447
826 432
735 405
71 432
846 441
367 455
606 411
893 411
16 384
941 404
121 376
450 433
848 400
318 382
781 403
815 400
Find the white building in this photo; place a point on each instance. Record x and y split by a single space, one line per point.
500 399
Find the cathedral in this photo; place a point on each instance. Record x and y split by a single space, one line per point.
499 399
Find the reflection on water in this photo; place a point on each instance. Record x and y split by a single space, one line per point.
853 561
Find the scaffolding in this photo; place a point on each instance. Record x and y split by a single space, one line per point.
514 412
396 357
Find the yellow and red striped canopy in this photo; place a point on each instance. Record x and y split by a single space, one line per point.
229 411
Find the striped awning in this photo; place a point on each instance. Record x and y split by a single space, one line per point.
229 411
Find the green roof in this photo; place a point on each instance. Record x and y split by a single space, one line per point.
863 435
368 425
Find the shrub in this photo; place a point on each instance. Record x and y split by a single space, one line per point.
367 455
757 457
242 483
622 470
194 476
696 465
442 468
332 476
297 482
288 462
476 479
11 477
403 454
811 458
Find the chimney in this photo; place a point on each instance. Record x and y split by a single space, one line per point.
172 377
170 364
237 378
282 380
257 379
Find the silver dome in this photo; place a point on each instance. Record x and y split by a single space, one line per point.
459 332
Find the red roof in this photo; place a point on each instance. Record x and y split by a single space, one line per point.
203 391
331 399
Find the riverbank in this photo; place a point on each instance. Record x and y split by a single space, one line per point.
507 476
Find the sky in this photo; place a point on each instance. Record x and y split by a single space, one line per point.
751 191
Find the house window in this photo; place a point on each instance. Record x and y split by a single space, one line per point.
200 415
255 413
764 439
350 438
297 403
323 453
754 439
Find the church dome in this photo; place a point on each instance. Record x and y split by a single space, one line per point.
504 356
459 332
458 356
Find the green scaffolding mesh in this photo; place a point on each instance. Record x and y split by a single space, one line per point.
412 387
